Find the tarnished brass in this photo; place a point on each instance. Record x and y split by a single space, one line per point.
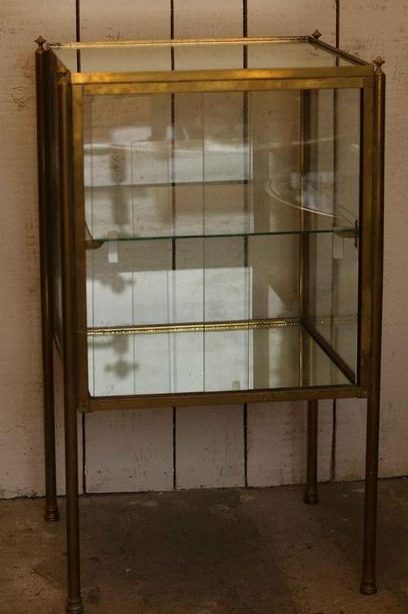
186 399
66 111
311 493
189 328
369 584
47 328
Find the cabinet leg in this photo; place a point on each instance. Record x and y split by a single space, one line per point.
368 584
311 493
74 602
51 511
51 507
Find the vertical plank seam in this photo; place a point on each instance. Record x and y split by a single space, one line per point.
338 16
77 20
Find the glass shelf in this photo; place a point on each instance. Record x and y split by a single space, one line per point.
347 233
207 357
213 209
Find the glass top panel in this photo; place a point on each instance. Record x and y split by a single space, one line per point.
141 56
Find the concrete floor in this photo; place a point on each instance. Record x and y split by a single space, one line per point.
231 551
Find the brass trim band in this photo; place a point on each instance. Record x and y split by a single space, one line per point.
191 327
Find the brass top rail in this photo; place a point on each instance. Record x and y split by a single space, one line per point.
179 42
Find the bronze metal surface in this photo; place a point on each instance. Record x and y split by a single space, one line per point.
191 327
47 319
366 237
110 85
74 602
368 584
329 350
146 401
311 493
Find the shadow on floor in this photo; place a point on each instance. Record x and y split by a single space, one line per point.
232 551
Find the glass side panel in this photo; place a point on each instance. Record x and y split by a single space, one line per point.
216 255
162 166
128 58
333 265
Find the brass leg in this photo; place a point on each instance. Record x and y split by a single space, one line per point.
368 584
311 494
51 510
74 603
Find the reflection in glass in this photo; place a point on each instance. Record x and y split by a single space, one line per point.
199 56
222 240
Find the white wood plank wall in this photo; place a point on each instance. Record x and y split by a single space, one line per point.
188 448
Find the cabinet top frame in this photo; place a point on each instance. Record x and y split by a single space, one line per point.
243 62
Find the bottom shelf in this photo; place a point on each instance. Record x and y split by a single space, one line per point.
219 356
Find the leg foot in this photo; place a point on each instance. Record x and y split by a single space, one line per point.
74 606
311 497
368 587
51 514
311 493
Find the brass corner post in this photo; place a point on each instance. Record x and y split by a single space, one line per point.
47 326
368 584
74 602
311 489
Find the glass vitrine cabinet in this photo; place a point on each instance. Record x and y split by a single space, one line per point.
211 233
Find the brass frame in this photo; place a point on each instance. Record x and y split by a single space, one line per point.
72 86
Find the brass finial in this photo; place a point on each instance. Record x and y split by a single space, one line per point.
40 42
316 34
379 61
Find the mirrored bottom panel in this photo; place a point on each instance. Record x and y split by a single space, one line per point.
220 356
341 332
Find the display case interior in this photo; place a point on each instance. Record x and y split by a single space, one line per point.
221 228
222 240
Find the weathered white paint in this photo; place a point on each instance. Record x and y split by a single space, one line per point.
21 430
277 443
293 18
135 451
209 447
384 33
